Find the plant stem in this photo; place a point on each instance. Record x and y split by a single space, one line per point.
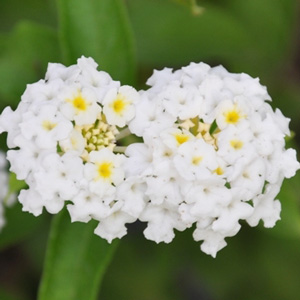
124 133
120 149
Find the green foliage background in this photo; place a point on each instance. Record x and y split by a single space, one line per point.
129 39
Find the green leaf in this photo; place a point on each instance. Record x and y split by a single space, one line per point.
25 57
75 261
99 29
3 43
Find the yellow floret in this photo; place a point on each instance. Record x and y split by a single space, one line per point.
48 125
236 144
181 138
105 170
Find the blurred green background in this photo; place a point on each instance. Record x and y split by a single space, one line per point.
258 37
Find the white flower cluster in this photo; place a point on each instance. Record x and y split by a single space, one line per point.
213 154
213 151
64 135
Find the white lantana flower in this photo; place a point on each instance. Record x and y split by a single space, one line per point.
196 160
63 140
213 151
46 127
213 154
119 105
104 172
80 104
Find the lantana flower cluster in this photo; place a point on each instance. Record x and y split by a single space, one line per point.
64 135
212 151
213 154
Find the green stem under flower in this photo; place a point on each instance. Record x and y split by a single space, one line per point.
120 149
122 134
74 249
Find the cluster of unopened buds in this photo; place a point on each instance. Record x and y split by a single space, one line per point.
211 151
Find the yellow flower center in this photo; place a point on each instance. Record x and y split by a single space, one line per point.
119 105
232 116
196 160
181 138
105 170
79 103
219 171
236 144
48 126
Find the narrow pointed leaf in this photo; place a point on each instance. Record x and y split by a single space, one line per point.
100 29
75 261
